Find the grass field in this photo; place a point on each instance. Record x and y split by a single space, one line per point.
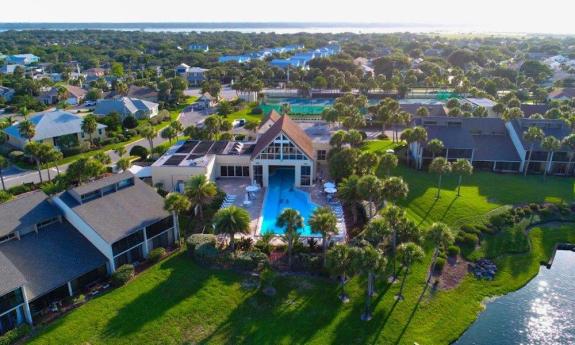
245 113
179 302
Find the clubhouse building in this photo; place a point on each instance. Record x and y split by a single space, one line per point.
55 247
280 143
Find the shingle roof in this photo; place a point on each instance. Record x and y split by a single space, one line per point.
556 128
102 182
55 255
52 124
565 92
487 136
291 129
76 91
123 105
434 109
530 109
11 277
25 211
118 214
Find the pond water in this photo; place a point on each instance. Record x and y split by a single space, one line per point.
542 312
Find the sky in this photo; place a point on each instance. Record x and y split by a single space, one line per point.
550 16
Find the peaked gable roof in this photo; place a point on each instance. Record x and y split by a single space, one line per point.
272 116
292 130
52 124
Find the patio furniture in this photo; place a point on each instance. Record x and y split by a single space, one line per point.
329 185
247 202
330 190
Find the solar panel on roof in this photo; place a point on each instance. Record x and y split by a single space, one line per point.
218 147
203 147
193 156
174 160
188 146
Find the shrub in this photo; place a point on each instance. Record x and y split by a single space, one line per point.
140 151
470 229
157 254
250 261
547 212
453 251
309 262
4 196
16 155
130 122
257 111
382 136
245 244
23 188
502 220
439 264
206 253
465 238
15 334
122 275
196 240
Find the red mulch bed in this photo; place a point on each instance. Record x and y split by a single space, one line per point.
454 271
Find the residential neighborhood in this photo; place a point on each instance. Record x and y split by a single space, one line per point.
285 183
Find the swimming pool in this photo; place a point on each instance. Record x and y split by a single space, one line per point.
281 194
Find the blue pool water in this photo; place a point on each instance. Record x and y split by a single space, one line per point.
281 194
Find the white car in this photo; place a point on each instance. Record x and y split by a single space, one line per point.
239 122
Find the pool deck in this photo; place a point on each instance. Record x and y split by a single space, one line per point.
237 187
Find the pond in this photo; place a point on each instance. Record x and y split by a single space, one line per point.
542 312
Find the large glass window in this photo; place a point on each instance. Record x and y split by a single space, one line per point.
11 300
128 242
11 320
281 148
159 227
258 174
321 155
305 178
136 254
234 171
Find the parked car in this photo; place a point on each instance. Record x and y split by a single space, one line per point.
239 123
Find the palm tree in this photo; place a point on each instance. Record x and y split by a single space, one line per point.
89 126
422 112
461 167
27 130
353 138
377 232
177 126
230 221
51 155
394 188
366 163
339 263
533 135
149 133
348 192
330 115
435 146
201 192
213 125
394 216
387 162
569 142
440 166
419 136
3 165
408 253
168 133
407 136
337 139
323 221
291 220
123 164
551 145
121 151
177 204
370 187
367 261
38 152
442 237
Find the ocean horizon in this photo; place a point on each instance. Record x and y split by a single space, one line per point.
263 27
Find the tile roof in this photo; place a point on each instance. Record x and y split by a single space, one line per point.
76 91
52 124
292 130
48 259
25 211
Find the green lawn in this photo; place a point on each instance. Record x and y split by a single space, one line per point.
380 146
244 113
179 302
